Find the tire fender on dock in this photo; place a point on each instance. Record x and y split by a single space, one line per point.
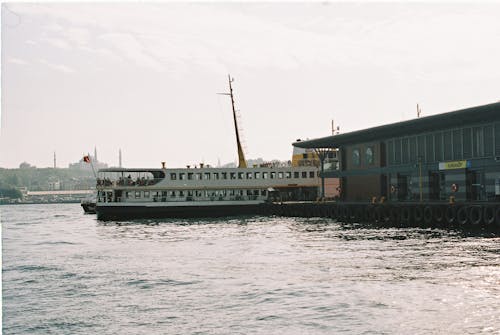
405 215
439 214
475 215
489 215
418 214
451 214
428 214
462 217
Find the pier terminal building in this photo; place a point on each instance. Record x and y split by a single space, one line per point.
454 154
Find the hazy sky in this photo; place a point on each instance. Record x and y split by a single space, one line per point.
144 77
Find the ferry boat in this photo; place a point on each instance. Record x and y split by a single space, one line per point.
199 192
203 191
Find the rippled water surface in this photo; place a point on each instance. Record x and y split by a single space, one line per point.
67 273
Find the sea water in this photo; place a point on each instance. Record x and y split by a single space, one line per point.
67 273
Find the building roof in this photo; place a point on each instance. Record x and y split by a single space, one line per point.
484 113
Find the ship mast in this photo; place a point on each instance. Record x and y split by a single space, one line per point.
242 163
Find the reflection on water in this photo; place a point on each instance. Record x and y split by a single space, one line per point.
65 272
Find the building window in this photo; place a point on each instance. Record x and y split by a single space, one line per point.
355 157
288 175
264 175
273 175
216 175
460 151
232 175
280 175
257 175
190 175
304 174
198 176
172 194
447 146
477 142
311 174
249 175
296 174
369 156
224 175
240 175
207 175
137 194
146 194
173 176
438 143
397 151
182 176
413 149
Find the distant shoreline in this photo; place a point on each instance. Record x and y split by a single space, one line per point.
42 203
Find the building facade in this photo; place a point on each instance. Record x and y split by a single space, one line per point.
454 154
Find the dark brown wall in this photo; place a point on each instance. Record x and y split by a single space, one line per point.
362 188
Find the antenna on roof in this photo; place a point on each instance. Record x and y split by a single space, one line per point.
419 111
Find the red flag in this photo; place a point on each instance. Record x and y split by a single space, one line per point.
86 159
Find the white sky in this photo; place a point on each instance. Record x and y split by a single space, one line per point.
144 77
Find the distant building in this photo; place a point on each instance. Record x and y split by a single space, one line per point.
25 165
82 165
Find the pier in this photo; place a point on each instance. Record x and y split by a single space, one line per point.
484 216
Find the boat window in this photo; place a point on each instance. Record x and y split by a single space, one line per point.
233 175
280 175
257 175
264 175
182 176
240 175
146 194
311 174
198 176
304 174
288 175
224 175
273 175
296 174
172 194
207 175
190 176
249 175
216 175
173 176
137 194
